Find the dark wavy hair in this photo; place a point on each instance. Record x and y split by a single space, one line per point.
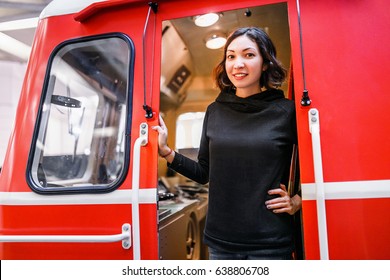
275 73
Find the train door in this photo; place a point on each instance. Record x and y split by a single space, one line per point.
344 134
191 48
83 188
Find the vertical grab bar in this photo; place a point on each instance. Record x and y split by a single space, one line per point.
141 141
314 126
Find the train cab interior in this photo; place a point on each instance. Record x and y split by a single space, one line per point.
94 88
191 48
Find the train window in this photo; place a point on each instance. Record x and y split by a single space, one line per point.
79 143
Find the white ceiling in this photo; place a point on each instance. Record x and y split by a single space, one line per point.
12 10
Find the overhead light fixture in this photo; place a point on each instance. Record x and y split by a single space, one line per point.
19 24
216 40
206 19
10 44
14 47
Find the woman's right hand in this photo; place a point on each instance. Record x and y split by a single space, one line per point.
162 130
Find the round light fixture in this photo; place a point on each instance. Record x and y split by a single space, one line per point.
215 41
206 19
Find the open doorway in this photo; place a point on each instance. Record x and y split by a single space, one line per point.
187 88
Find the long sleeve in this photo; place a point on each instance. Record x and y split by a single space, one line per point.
195 170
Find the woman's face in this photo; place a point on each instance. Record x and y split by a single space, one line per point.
244 65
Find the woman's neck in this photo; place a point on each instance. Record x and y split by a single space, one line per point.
246 93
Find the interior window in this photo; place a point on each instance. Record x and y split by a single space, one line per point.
80 139
188 133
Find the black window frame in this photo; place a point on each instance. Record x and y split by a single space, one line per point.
127 138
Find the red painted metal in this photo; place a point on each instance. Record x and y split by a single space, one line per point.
346 65
346 61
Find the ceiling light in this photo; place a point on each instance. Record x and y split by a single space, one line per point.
215 41
19 24
206 19
10 44
14 47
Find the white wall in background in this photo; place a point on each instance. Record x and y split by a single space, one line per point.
11 80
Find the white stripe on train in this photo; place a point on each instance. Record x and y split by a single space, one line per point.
333 190
146 196
349 190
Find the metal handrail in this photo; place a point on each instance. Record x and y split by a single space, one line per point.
125 237
314 126
142 140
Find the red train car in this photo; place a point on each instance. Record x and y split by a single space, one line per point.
81 175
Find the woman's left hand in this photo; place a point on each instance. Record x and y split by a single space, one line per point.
284 203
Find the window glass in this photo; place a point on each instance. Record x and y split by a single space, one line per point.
80 140
188 133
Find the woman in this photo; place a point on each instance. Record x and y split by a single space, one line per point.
245 153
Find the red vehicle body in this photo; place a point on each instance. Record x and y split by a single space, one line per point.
344 134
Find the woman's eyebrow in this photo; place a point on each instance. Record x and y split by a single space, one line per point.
244 50
249 48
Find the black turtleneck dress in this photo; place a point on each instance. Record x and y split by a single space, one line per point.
245 151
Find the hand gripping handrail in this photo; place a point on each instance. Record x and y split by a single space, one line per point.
125 237
314 126
142 140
